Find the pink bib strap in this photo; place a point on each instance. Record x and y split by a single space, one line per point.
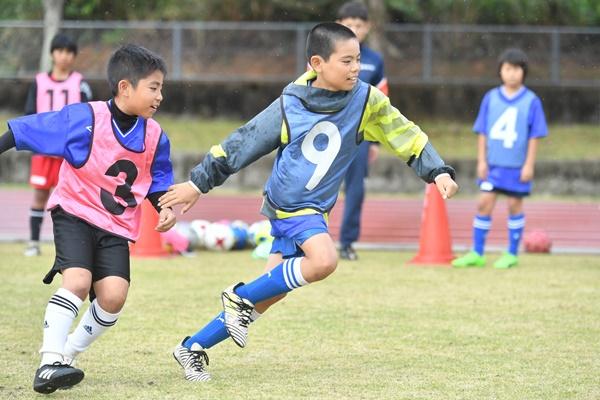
109 188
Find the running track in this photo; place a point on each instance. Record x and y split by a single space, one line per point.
386 223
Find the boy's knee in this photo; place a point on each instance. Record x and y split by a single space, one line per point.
78 284
484 207
112 304
324 265
515 205
79 290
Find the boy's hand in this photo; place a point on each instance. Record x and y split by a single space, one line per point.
482 170
446 186
181 193
166 220
373 153
526 173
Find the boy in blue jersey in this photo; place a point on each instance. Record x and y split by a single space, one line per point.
355 16
115 155
509 124
316 126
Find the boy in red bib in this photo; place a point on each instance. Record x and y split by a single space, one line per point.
115 157
51 91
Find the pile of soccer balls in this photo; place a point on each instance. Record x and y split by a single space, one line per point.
227 235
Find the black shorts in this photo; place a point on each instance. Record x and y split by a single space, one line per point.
80 244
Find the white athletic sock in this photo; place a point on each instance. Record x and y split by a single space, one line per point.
254 315
61 310
93 323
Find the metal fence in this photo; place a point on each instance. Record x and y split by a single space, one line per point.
274 52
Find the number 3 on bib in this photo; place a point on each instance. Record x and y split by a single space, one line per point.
321 158
505 127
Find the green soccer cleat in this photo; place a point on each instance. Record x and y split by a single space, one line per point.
471 259
506 261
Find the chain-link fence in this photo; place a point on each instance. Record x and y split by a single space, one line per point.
274 52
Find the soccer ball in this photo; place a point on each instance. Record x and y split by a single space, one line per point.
262 251
219 237
240 234
260 232
185 229
238 223
537 241
198 226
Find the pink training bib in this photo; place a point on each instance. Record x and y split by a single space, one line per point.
53 95
108 189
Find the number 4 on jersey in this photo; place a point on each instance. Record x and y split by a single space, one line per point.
505 127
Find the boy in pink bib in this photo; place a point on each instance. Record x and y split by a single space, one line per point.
51 91
115 157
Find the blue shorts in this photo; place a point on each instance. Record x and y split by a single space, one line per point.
505 180
289 233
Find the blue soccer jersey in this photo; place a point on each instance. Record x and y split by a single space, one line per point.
508 124
309 169
68 134
371 68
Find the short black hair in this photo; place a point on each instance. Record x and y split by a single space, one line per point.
322 38
132 63
353 9
61 41
514 56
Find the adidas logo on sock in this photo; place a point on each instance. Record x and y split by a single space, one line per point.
88 329
46 324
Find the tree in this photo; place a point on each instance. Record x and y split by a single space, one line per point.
53 12
378 17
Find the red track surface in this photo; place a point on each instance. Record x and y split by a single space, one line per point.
572 226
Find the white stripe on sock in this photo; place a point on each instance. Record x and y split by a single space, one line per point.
285 274
297 271
482 223
516 223
36 213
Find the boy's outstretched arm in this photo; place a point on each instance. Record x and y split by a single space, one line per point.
430 167
7 141
385 124
260 136
65 133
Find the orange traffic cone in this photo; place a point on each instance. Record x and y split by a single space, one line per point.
149 243
434 245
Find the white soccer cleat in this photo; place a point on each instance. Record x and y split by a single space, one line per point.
32 250
193 361
238 312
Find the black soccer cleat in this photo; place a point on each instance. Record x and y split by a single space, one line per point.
348 253
50 377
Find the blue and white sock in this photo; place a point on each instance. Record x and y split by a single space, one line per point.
284 278
516 224
214 332
481 227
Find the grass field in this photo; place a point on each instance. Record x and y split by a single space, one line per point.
375 330
452 139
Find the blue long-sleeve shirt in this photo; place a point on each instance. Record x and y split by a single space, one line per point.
67 134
